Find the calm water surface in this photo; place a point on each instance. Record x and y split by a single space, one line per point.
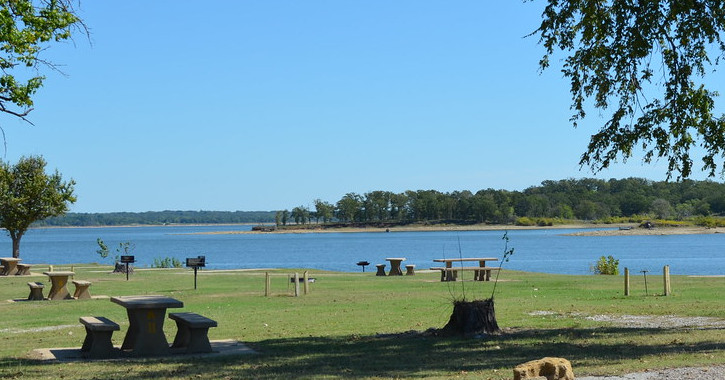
535 250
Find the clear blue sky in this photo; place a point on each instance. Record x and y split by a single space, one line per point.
267 105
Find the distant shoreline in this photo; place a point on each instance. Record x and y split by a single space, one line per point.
591 229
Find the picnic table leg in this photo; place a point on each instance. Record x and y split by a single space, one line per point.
450 275
145 335
484 275
58 288
395 268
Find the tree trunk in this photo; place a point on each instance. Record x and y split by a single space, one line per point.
471 318
16 246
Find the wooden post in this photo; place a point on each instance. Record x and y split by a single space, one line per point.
666 274
267 284
297 284
305 281
626 281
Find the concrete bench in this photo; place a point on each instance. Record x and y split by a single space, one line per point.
23 270
480 273
36 291
82 291
410 270
381 270
99 330
192 332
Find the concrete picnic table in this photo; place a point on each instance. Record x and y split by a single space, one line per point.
9 265
395 266
59 287
146 314
451 274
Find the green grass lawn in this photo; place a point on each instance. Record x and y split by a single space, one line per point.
351 325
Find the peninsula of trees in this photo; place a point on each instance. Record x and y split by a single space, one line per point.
594 200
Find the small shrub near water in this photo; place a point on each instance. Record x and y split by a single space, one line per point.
525 221
606 265
621 219
166 262
541 222
709 221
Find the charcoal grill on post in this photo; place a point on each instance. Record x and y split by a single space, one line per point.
196 263
127 260
363 264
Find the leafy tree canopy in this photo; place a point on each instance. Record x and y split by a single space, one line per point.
28 194
27 27
643 64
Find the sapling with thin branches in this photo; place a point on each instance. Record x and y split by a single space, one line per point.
478 317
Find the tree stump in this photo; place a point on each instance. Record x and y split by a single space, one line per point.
471 318
121 268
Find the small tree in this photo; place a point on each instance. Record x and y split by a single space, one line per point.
606 265
477 317
124 248
28 194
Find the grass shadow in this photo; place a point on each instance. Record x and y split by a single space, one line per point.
406 355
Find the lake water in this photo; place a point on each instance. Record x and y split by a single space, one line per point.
538 250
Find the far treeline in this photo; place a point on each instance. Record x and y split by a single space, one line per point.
594 200
158 218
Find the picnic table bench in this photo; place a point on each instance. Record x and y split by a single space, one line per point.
480 273
23 269
97 344
410 270
381 270
81 291
192 332
36 291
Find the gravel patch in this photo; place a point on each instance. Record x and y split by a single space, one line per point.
655 321
691 373
644 321
658 321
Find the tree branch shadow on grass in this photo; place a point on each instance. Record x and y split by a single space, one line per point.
406 355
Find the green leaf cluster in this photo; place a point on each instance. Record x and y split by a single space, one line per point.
124 248
166 262
28 194
643 65
26 29
606 265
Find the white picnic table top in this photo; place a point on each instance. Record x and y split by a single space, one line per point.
466 259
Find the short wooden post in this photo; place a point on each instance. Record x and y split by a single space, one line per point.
305 281
666 275
267 283
297 284
626 281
